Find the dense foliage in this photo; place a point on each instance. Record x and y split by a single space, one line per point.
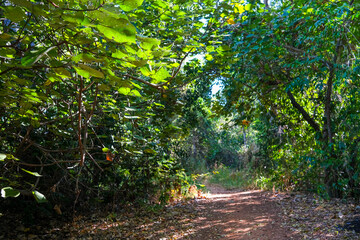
111 100
89 96
297 63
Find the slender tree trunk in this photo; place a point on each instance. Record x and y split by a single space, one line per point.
331 177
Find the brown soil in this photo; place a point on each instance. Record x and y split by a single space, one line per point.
239 215
221 215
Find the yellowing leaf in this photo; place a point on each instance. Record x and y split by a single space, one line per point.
230 21
58 209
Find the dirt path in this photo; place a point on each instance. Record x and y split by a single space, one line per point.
238 215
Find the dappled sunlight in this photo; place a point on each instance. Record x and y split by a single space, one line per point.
236 215
232 194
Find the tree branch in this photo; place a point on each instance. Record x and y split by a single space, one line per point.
305 115
145 82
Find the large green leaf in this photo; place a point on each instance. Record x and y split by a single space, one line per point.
2 156
161 75
120 35
9 192
148 43
35 56
15 14
128 5
22 3
86 71
118 54
84 57
7 52
62 72
124 90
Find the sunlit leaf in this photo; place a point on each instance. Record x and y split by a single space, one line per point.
9 192
39 197
124 90
148 43
209 57
131 117
32 173
86 71
161 75
118 54
121 35
128 5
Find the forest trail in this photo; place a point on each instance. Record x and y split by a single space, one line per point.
239 215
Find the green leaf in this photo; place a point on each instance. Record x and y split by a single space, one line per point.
84 57
7 52
2 156
148 43
26 4
151 151
105 149
15 14
62 72
104 87
118 54
33 57
135 93
32 173
9 192
86 71
209 57
128 5
39 197
248 7
124 90
161 75
136 85
120 35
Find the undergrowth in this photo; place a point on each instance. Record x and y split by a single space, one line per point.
232 179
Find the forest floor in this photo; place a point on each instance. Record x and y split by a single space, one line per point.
239 215
221 214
